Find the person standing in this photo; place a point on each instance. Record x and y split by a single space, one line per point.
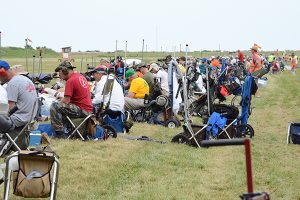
293 63
256 65
240 57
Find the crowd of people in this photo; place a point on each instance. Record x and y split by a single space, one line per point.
131 86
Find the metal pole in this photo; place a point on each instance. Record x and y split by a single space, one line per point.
185 87
125 56
125 65
26 53
186 55
248 166
81 64
208 89
33 61
116 51
143 51
174 51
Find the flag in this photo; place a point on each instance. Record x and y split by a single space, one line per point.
1 34
28 40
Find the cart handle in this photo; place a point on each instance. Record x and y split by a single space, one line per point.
234 142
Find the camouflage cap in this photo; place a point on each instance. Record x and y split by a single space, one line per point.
64 64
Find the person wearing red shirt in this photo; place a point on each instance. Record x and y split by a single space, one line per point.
77 101
240 56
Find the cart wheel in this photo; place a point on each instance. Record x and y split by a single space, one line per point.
244 130
172 123
181 139
110 131
138 117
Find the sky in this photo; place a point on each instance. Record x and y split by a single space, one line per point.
162 24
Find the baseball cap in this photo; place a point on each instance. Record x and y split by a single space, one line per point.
100 69
4 64
66 64
129 73
204 60
154 66
120 71
142 65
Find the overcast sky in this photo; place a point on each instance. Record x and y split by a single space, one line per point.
163 24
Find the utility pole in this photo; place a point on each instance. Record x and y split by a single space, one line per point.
143 51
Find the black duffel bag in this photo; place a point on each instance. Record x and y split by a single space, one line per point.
294 133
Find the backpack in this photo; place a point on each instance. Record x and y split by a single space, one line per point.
254 87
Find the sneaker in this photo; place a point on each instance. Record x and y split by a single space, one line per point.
4 144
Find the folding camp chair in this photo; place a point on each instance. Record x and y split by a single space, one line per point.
78 125
35 174
19 138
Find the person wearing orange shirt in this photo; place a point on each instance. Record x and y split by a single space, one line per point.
256 65
293 63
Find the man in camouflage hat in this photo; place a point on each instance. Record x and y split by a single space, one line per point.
77 101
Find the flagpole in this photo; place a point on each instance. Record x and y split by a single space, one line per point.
26 53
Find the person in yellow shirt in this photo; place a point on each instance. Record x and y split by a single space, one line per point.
181 64
138 89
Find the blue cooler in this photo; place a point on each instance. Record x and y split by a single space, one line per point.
35 138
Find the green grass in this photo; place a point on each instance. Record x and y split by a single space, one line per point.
16 52
125 169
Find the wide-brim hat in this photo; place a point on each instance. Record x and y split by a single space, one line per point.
255 48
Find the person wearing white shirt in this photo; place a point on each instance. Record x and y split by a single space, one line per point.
162 77
117 96
3 95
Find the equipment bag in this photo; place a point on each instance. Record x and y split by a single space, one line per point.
295 132
32 180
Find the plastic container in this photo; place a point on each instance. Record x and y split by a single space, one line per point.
35 138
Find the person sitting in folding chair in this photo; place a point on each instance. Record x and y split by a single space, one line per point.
22 97
137 91
77 101
115 97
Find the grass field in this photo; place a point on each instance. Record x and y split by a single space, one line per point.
125 169
51 59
